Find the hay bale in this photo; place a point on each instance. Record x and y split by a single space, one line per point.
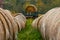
2 31
49 25
9 25
36 22
13 26
21 18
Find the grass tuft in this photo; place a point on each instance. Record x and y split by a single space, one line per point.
29 33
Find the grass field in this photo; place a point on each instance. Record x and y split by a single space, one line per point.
29 33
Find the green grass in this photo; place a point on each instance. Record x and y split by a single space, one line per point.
29 33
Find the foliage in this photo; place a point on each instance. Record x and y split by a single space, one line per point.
42 5
29 33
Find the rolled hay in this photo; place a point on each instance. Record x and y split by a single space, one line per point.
2 36
10 25
49 25
9 28
16 23
5 25
21 19
36 22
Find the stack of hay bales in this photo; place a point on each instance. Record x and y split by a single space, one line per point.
8 25
49 24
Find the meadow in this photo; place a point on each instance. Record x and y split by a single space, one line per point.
29 33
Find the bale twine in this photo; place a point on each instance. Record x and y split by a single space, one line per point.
49 25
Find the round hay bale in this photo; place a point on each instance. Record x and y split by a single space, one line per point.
9 25
18 24
4 22
49 25
13 26
21 18
31 8
36 21
2 31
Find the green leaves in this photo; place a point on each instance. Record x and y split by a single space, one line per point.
42 5
29 33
